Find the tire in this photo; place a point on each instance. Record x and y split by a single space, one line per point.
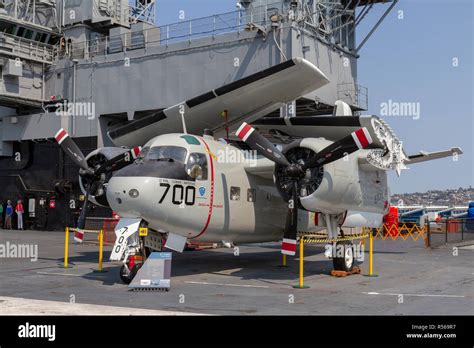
147 252
345 263
127 278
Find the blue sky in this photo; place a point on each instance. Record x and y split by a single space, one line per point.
407 60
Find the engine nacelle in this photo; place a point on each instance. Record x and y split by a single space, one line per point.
95 159
337 187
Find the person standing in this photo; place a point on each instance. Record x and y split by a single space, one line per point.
19 210
1 214
8 215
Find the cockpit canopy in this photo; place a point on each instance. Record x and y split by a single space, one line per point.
164 153
195 164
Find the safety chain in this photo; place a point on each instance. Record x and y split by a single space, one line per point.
309 237
84 231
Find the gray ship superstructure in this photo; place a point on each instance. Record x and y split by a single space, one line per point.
91 65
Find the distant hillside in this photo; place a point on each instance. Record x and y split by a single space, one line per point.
450 197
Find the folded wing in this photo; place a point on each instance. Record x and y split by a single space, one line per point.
244 100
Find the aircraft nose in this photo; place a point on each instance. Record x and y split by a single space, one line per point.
128 195
132 190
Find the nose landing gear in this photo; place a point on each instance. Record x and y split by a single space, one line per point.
129 270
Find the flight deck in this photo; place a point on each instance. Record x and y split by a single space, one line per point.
411 280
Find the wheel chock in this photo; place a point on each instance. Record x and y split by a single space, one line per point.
355 270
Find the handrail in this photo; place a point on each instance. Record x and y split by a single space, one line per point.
28 47
228 22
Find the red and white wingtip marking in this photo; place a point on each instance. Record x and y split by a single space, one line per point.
362 138
288 247
61 135
136 151
244 131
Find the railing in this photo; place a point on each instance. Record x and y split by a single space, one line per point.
230 22
451 230
27 48
22 10
353 94
117 12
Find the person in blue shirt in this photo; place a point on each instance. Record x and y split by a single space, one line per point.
8 215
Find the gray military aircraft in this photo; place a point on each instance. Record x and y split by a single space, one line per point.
270 179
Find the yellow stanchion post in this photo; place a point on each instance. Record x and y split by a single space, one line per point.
371 255
301 277
284 260
101 249
66 248
101 252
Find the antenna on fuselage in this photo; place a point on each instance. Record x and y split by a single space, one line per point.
182 111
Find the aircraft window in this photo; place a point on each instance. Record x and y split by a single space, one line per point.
251 195
20 31
196 167
166 153
28 34
234 193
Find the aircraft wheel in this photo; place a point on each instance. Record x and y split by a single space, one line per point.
147 252
346 262
127 277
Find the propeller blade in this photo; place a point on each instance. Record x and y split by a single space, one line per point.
360 139
120 161
288 246
71 149
81 222
257 142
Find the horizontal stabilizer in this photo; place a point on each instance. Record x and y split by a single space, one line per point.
424 156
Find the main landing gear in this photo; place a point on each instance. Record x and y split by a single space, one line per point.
342 251
344 256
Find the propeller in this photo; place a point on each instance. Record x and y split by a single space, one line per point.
357 140
257 142
71 149
92 174
81 222
360 139
119 162
288 246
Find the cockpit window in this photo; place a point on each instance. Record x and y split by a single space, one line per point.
165 153
196 166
